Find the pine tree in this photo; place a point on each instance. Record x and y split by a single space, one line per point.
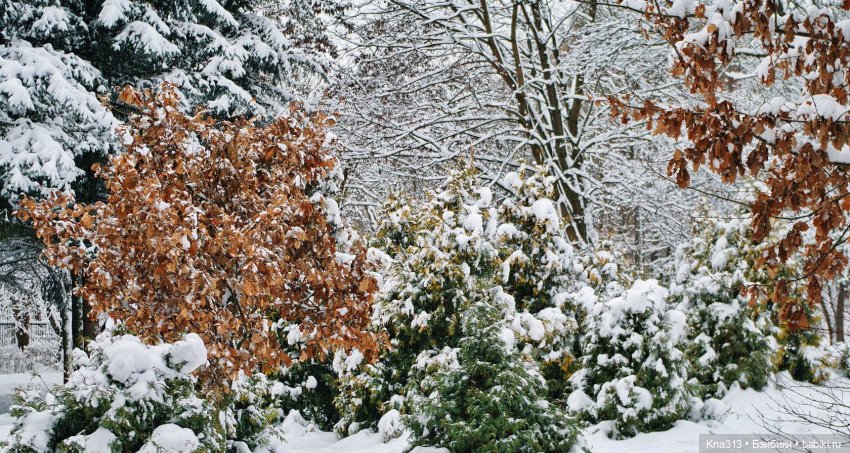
634 372
60 56
726 341
438 250
484 396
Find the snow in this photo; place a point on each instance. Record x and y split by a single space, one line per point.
682 8
678 322
739 412
390 425
512 180
190 352
311 383
113 12
823 106
39 82
170 438
100 440
36 426
147 37
578 401
128 358
215 8
507 230
544 210
841 156
10 382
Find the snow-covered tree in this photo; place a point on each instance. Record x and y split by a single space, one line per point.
218 227
484 395
51 121
429 85
438 250
726 340
634 371
58 57
124 396
63 63
540 270
222 55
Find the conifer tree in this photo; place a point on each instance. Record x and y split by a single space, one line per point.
437 252
634 372
540 271
483 395
61 58
727 343
722 265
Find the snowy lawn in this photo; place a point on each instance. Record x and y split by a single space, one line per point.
741 412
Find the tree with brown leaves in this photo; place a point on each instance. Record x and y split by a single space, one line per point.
798 146
218 228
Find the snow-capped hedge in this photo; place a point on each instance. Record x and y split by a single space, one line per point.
124 396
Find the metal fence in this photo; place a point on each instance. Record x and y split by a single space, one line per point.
43 349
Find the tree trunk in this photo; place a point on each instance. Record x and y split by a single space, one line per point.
21 316
826 318
838 318
66 316
77 317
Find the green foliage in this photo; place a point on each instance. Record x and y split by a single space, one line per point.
124 397
737 333
434 253
484 396
725 347
726 342
257 405
634 372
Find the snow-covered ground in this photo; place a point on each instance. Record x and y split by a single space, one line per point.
8 384
740 412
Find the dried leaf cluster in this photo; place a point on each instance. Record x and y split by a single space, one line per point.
795 146
216 228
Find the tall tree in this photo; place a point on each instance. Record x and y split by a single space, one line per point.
434 81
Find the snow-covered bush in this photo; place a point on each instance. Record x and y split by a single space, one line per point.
484 395
436 252
726 342
634 372
458 246
539 269
257 406
254 411
723 265
124 396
